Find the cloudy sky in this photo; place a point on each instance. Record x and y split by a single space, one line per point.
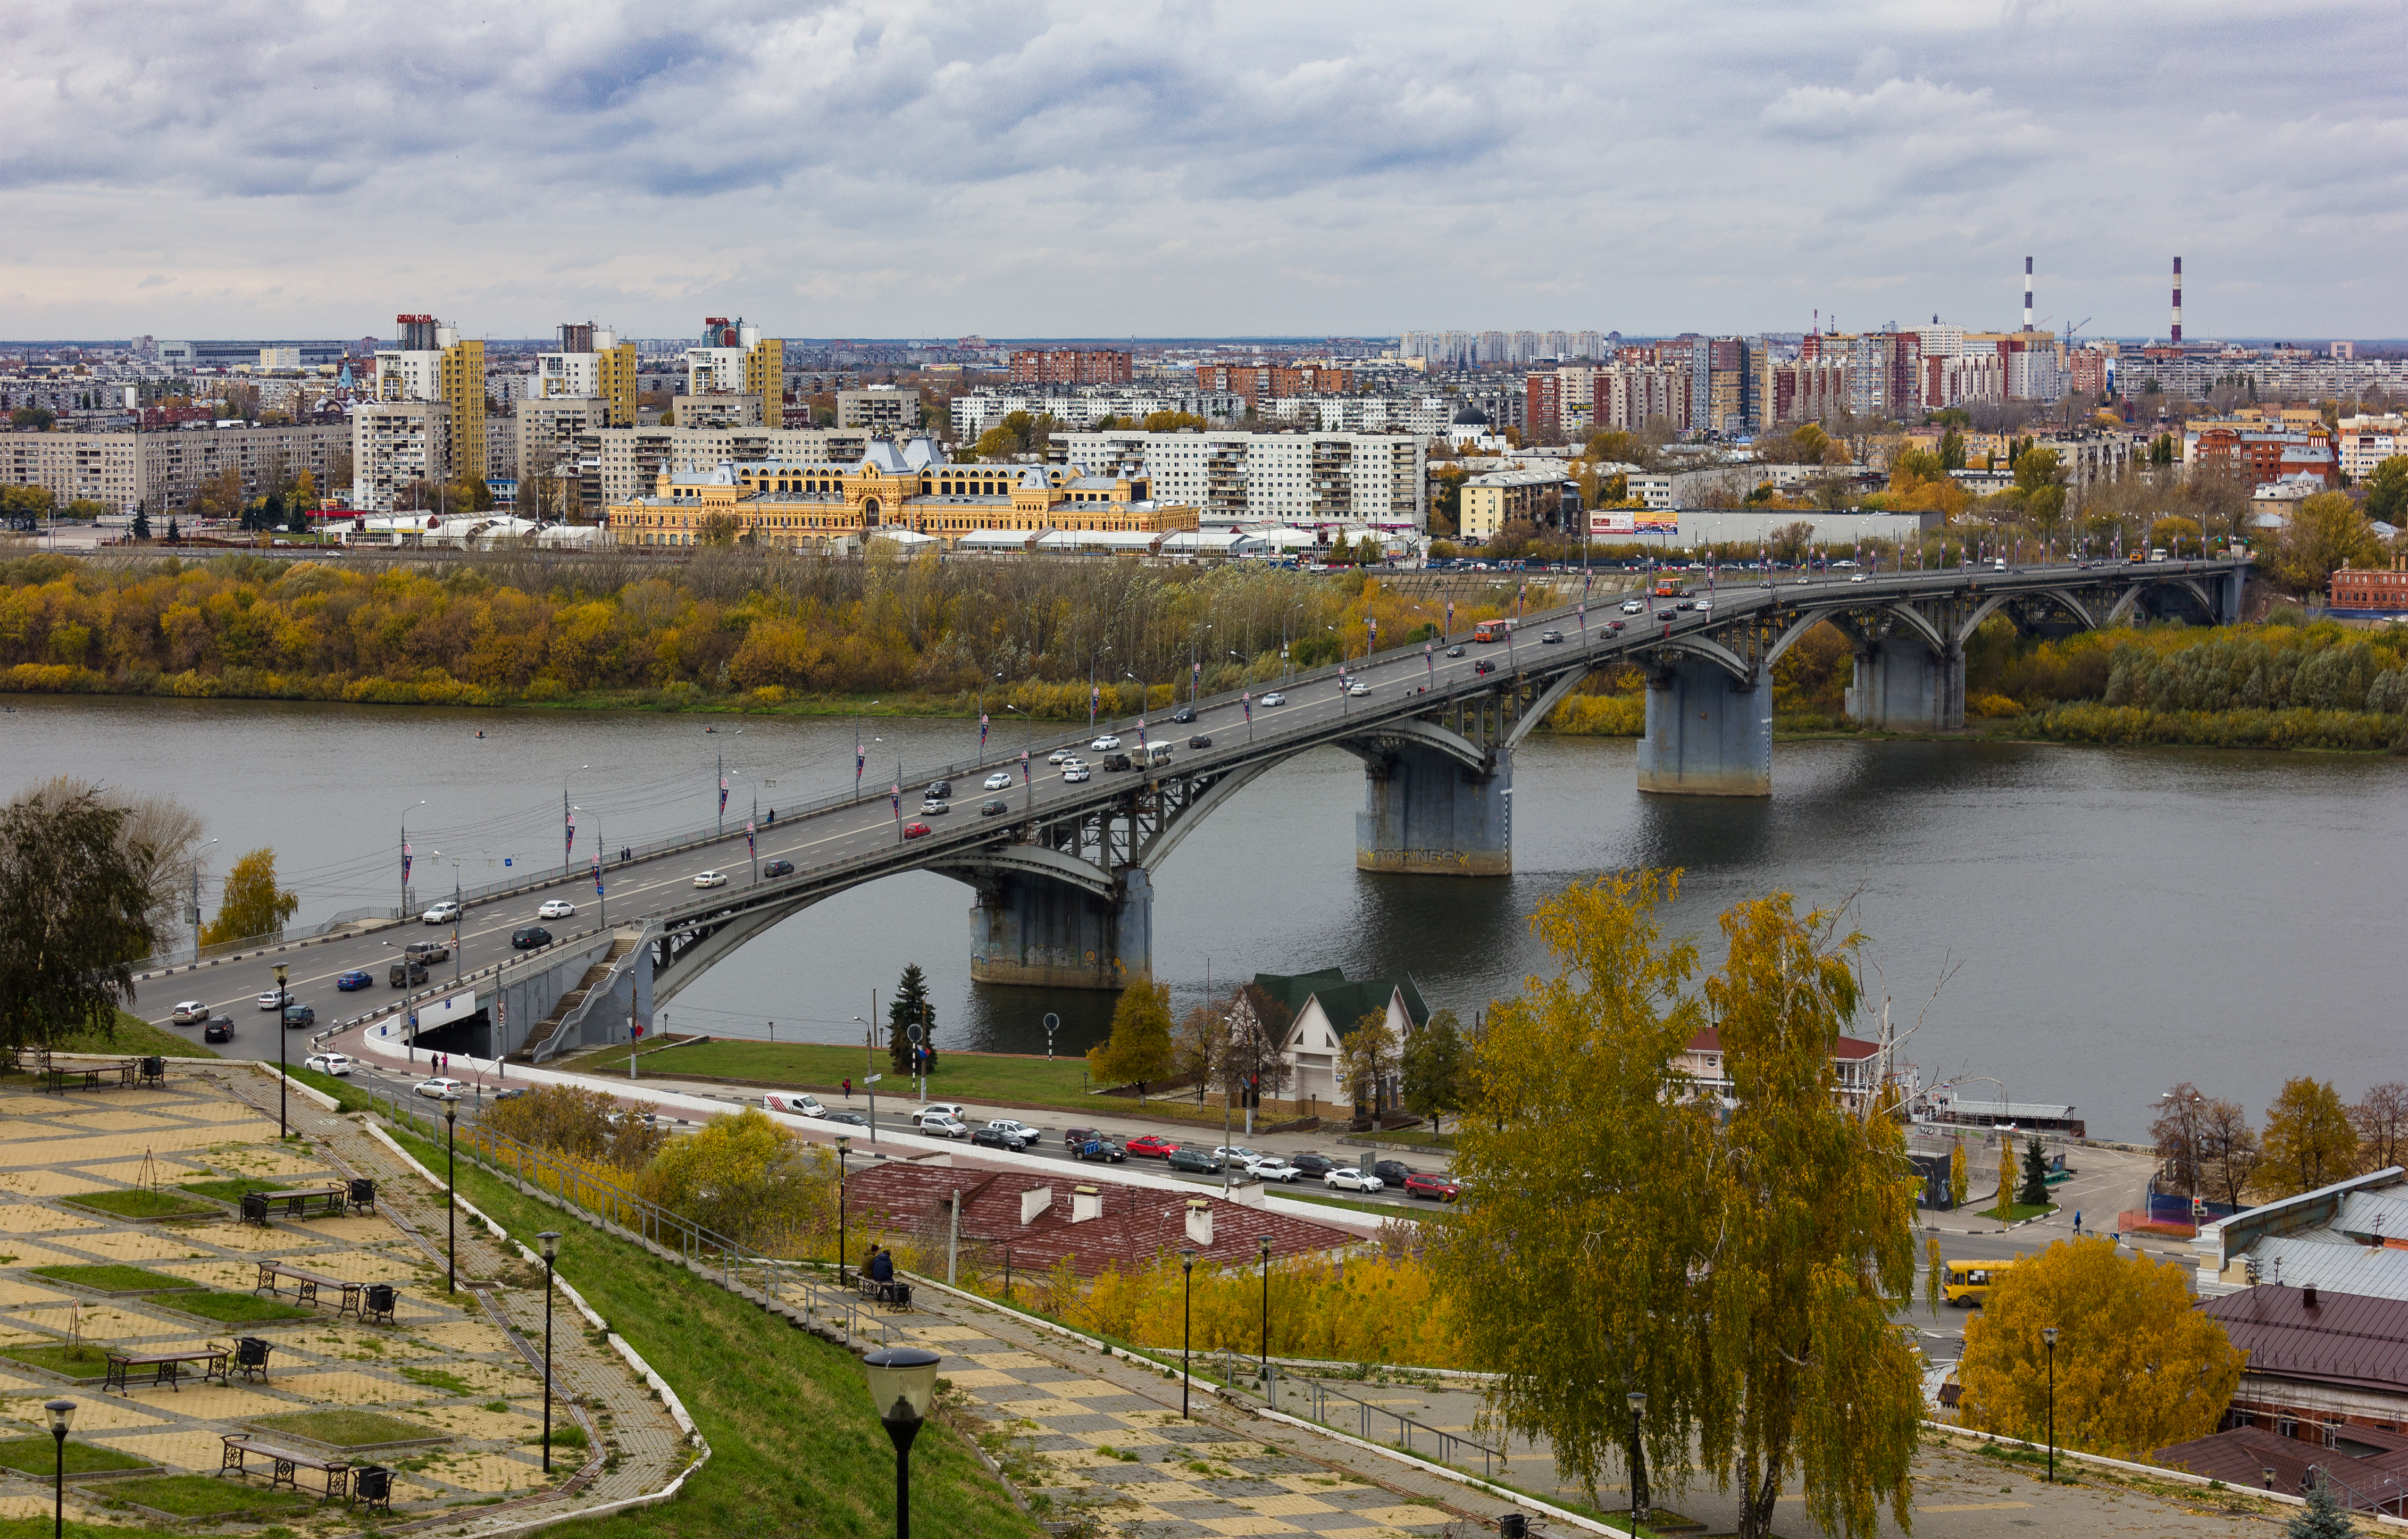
889 168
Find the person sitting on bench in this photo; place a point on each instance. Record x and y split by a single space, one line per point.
881 1272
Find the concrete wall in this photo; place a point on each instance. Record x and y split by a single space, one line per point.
1707 735
1025 929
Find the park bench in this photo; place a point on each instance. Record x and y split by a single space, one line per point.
167 1368
286 1464
57 1075
306 1286
257 1207
894 1295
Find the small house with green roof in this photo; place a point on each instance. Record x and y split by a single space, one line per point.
1322 1007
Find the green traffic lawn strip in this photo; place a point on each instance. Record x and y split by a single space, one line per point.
70 1359
39 1456
112 1277
233 1308
347 1428
138 1202
207 1496
796 1447
349 1099
229 1191
2016 1212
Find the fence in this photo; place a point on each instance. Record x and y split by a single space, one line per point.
1238 1368
615 1208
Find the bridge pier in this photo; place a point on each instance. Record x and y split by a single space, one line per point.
1025 929
1902 684
1428 814
1708 735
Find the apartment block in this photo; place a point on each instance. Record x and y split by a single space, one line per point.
1084 408
590 362
396 443
1071 366
161 471
547 433
1238 477
2364 442
1273 382
733 361
433 364
1802 391
879 408
1508 501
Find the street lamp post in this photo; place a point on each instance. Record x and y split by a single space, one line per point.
403 912
451 1194
283 1004
903 1386
1641 1507
1267 1316
61 1415
843 1145
549 1240
2049 1336
1186 1320
569 824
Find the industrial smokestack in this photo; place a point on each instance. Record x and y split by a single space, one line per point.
2177 338
2027 293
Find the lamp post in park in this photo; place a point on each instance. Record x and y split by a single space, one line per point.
550 1239
62 1416
903 1388
1641 1507
283 1004
451 1194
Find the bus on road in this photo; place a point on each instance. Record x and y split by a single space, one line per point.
1492 630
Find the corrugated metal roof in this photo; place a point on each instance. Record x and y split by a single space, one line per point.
2347 1339
2242 1457
2375 1214
2332 1266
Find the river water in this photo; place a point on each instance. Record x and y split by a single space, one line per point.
2119 919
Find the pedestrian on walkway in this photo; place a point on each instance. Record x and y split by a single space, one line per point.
848 1090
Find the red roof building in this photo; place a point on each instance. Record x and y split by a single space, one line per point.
1043 1219
2320 1362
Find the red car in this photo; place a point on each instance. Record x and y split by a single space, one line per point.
1437 1188
914 831
1153 1145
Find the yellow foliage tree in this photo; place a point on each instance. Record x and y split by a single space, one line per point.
2137 1367
1138 1049
252 904
2309 1139
748 1178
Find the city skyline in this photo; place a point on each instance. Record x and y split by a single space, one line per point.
896 171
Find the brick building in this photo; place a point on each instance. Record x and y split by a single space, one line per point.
1273 382
1071 366
2372 592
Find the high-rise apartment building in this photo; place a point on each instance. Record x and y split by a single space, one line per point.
1801 390
433 364
161 471
396 443
1312 477
734 359
590 362
1071 366
880 408
1273 382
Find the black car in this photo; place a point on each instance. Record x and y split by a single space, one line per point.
530 937
1454 652
995 807
1073 1136
994 1138
851 1119
1184 714
779 867
221 1028
510 1093
1315 1165
299 1015
1195 1162
406 974
1199 740
1116 761
1392 1173
1100 1148
1483 666
939 790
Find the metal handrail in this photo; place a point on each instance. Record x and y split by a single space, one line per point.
722 1260
1238 1367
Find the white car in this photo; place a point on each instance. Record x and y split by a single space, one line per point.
1274 698
1860 577
1059 755
328 1063
442 914
189 1012
1346 1179
442 1090
1074 772
1634 606
712 879
1359 689
1000 781
1236 1153
271 1001
1272 1168
793 1104
1012 1129
943 1124
1106 743
559 908
1705 606
943 1108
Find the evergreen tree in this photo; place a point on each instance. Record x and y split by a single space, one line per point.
910 1007
2035 1189
175 531
141 522
2325 1518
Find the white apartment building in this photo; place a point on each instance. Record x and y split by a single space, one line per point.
161 471
2364 442
720 370
974 415
395 443
1307 478
75 467
627 461
577 371
2036 375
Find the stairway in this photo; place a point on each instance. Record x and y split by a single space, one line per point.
561 1008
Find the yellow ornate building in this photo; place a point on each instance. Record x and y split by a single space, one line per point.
909 487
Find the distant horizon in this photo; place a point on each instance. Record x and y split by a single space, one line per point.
2320 340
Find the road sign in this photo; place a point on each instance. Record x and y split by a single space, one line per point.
1053 1022
873 1079
912 1031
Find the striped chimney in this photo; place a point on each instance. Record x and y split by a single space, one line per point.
2028 277
2177 338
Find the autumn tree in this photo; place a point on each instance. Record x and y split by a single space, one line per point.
2137 1367
2326 532
1139 1048
74 905
2387 491
252 904
1430 1072
1956 1174
2381 1118
1200 1048
2228 1151
2309 1141
573 1120
745 1176
1367 1058
158 835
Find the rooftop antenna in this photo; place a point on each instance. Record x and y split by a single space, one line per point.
2177 336
2027 304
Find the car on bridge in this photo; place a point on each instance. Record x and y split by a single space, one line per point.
559 908
1117 761
428 951
1359 689
1000 781
1613 624
1152 1146
189 1012
933 808
1483 666
1184 714
710 879
273 999
299 1015
529 937
1634 606
1860 577
441 1089
408 973
1075 770
1274 698
354 979
1704 606
1060 755
918 830
939 790
1346 1178
1454 652
1105 745
328 1063
1550 638
779 867
992 807
221 1028
442 914
1199 740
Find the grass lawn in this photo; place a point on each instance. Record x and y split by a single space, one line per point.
39 1456
207 1496
112 1278
232 1308
795 1446
349 1099
78 1360
345 1428
230 1191
138 1038
436 1378
960 1076
138 1203
2016 1212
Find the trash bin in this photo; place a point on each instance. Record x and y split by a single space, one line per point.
1513 1526
363 1194
373 1485
380 1301
254 1207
